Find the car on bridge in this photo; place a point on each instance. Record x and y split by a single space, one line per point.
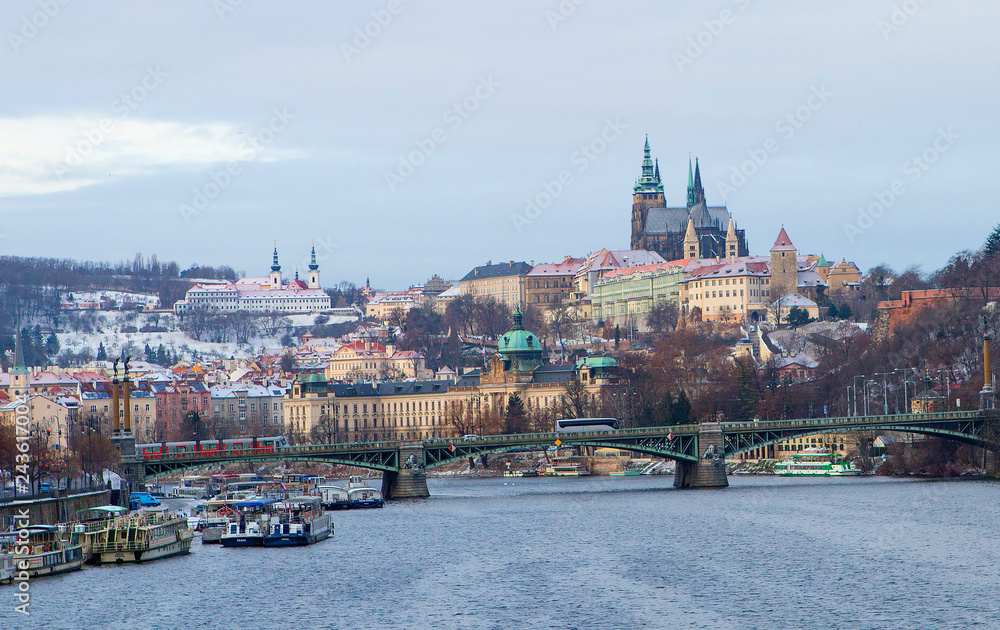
470 438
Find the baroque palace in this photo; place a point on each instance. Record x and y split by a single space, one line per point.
443 408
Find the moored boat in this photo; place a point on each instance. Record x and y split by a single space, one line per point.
365 498
246 527
298 521
143 536
815 462
45 550
7 568
333 498
564 468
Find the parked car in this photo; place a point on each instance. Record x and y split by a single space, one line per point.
143 499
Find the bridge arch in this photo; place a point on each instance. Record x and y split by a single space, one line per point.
439 456
765 439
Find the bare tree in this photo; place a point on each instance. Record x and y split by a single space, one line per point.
324 431
662 316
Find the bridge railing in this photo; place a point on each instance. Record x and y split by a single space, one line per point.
849 421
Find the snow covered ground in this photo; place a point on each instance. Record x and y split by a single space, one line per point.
108 328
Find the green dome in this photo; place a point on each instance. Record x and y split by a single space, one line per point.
598 362
520 348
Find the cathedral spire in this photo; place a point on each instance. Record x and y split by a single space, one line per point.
699 191
649 181
691 247
657 172
647 163
692 198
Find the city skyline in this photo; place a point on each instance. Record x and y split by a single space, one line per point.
406 139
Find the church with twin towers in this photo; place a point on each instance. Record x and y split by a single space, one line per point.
694 230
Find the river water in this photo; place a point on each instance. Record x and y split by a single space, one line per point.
601 552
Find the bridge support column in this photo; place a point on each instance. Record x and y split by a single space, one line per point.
411 480
710 470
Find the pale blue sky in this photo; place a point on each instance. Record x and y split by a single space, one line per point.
161 97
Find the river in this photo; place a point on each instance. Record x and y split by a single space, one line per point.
601 552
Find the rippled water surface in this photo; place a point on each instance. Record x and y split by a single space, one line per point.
583 553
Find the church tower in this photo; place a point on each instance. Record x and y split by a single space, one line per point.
313 270
691 246
784 267
20 377
275 270
647 193
732 241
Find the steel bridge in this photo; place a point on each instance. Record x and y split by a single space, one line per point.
700 450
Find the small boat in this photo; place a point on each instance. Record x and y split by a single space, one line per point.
815 462
211 528
333 498
246 527
360 495
7 568
563 468
143 536
45 550
191 488
365 498
298 521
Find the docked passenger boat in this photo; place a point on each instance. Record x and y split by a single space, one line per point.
246 527
562 468
360 495
365 498
333 498
815 462
298 521
47 550
7 568
143 536
211 528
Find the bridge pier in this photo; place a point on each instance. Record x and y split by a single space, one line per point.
710 470
411 480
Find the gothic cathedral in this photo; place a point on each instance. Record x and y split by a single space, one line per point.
695 230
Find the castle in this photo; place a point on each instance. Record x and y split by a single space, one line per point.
695 230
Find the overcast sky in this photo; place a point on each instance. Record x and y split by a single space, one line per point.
406 137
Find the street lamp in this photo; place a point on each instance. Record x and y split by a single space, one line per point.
947 381
861 376
885 391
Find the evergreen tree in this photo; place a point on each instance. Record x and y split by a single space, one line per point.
161 356
833 312
102 354
680 410
992 247
452 353
52 345
148 355
516 418
618 335
845 312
